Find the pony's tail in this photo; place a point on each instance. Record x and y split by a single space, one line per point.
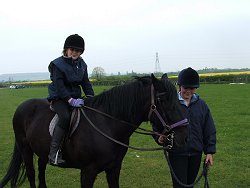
16 173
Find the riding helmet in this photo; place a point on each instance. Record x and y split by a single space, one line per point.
188 78
74 41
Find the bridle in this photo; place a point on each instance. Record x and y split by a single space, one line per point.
167 128
153 109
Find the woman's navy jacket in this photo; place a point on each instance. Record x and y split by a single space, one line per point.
67 77
201 129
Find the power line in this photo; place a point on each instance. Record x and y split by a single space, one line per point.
157 64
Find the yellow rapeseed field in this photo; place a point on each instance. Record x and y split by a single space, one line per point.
35 82
219 73
225 73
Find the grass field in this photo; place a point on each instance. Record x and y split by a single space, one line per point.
229 105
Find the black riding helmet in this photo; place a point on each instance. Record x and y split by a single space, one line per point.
188 78
74 41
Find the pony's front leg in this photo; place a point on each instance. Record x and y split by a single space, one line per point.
88 178
113 175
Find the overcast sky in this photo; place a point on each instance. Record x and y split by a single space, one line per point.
124 36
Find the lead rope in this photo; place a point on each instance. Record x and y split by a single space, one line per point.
203 173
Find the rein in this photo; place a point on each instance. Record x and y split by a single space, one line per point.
117 141
124 122
169 137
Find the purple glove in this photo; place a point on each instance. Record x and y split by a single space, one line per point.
76 102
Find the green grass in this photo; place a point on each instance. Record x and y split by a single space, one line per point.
229 105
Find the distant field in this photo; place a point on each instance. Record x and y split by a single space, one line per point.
229 105
202 75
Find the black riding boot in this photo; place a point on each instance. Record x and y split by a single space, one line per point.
55 157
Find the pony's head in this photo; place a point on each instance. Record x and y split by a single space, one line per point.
166 112
131 102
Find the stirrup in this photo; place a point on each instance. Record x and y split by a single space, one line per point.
55 162
56 158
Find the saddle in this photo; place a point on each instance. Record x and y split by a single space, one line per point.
74 121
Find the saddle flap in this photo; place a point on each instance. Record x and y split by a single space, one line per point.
74 122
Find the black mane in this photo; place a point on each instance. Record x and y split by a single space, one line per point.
129 95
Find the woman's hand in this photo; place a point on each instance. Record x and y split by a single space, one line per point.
209 159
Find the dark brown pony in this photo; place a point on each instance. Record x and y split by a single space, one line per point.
87 149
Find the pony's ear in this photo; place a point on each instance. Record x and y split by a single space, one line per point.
155 81
153 76
164 76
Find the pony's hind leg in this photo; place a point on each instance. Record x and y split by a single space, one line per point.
28 161
41 172
112 176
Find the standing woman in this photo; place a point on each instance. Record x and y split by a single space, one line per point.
186 160
68 72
